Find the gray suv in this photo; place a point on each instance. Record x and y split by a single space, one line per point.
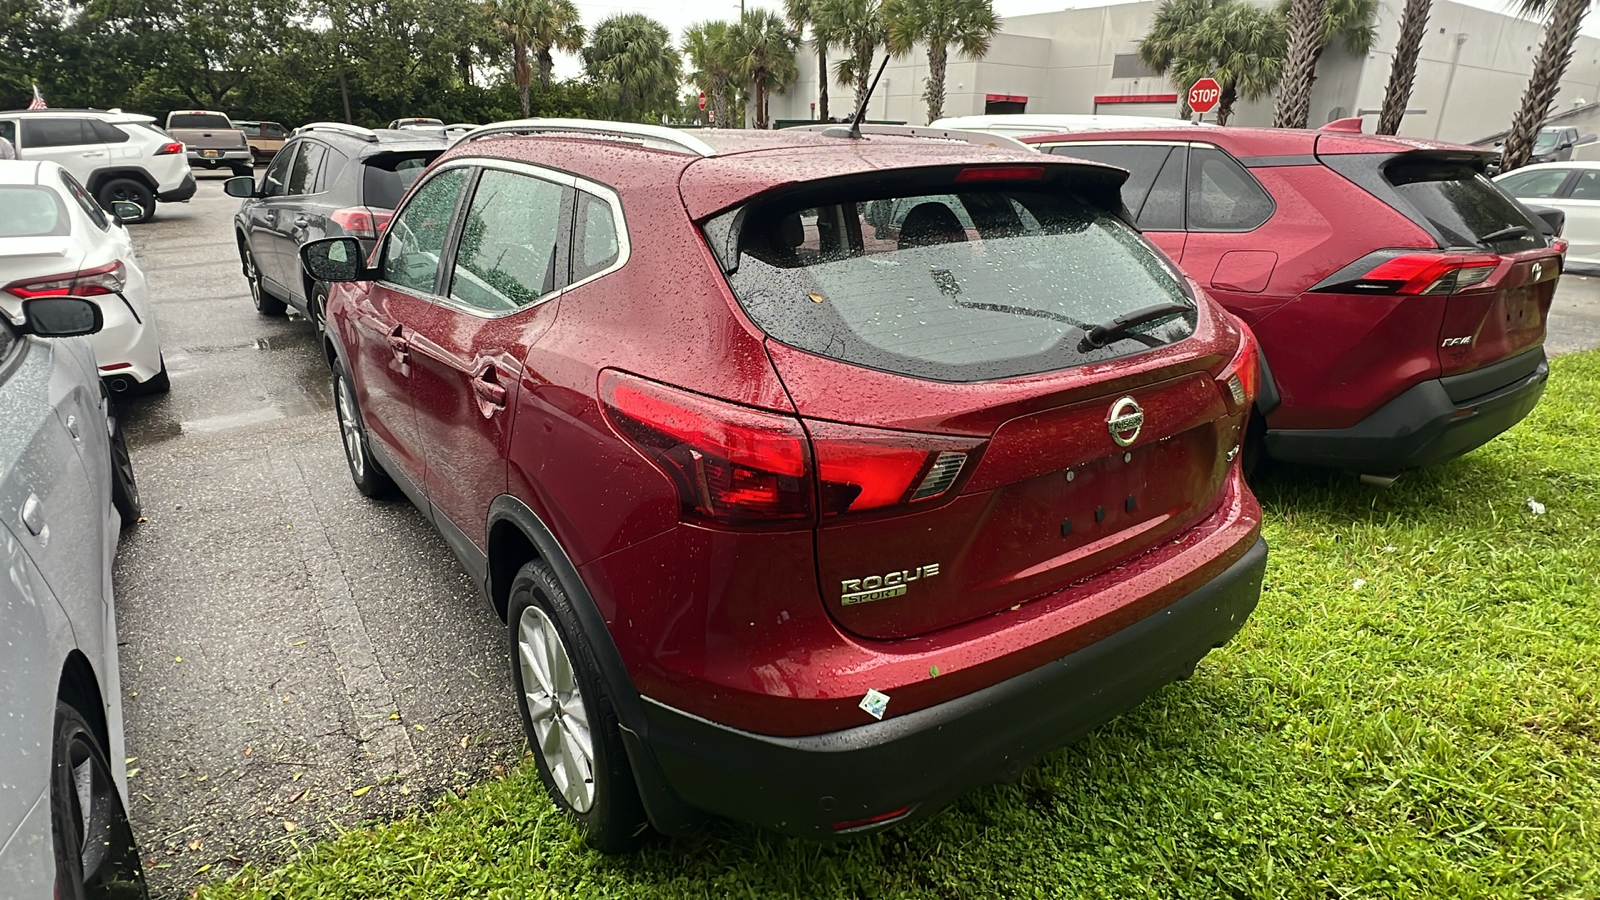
65 487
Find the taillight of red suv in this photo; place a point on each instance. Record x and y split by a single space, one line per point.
737 466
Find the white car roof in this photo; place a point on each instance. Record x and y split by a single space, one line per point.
107 115
1562 164
1025 123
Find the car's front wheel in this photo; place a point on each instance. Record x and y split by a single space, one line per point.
567 714
265 303
94 847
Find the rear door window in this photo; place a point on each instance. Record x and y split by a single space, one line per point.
1222 194
1465 208
57 132
512 240
966 286
415 239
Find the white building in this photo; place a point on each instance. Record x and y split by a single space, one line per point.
1474 66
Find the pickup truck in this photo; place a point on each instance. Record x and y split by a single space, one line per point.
212 140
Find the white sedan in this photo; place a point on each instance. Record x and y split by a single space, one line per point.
56 241
1572 186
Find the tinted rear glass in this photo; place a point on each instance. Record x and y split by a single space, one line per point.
1464 207
390 175
32 212
191 120
963 286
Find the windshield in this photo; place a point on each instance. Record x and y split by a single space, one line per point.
1465 208
965 286
198 120
32 212
1545 141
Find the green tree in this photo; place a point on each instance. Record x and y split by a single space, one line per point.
857 26
763 50
968 24
1564 19
1239 44
631 56
537 26
1403 70
1313 25
802 13
707 47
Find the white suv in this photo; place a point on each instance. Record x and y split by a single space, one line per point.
116 155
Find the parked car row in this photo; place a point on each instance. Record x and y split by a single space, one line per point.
117 156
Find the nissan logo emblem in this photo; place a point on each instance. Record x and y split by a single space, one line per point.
1125 421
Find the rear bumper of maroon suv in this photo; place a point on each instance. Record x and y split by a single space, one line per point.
894 770
1430 423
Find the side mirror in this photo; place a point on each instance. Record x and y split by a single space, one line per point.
242 186
61 316
127 211
334 259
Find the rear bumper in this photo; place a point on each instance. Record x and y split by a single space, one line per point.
1431 423
181 193
923 759
228 159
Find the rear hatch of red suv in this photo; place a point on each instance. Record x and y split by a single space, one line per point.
974 449
1494 269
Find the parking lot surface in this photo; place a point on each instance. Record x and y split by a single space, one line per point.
297 658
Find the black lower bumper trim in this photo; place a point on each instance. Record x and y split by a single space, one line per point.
181 193
806 786
1431 423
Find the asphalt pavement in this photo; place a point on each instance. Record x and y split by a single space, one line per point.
297 658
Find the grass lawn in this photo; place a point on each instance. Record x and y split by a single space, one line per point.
1411 712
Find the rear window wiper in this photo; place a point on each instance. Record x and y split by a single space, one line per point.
1096 336
1507 232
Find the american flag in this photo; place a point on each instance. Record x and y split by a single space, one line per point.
38 100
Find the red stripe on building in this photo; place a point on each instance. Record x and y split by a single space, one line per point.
1136 98
1005 98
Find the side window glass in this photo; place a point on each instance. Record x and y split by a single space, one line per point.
8 130
1143 162
272 130
303 174
275 181
52 132
1222 195
416 236
1536 184
89 206
595 245
107 133
1163 208
1588 186
332 167
510 242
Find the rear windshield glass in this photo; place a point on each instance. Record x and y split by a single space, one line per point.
964 286
32 212
192 120
390 175
1464 207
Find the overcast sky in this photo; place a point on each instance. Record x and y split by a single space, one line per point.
680 14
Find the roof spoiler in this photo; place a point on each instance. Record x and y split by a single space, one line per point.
981 138
1351 125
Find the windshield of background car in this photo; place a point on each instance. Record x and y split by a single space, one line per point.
1545 140
32 212
965 286
1463 206
192 120
388 176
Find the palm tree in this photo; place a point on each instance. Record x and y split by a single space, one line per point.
706 45
632 54
762 47
540 26
858 27
1239 44
1403 71
1566 18
1313 25
800 14
969 24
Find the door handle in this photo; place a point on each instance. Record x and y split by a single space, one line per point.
489 392
33 515
398 342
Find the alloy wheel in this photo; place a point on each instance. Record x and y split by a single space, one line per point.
253 277
350 426
556 708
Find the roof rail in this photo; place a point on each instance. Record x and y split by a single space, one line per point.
984 138
654 137
355 131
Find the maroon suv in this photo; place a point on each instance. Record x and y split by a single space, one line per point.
819 479
1399 296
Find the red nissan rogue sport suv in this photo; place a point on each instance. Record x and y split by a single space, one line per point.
796 518
1399 296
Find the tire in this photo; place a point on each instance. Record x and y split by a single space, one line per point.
124 487
316 305
94 847
245 171
265 303
370 478
132 191
567 714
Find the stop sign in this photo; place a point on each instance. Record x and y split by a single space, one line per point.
1204 95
